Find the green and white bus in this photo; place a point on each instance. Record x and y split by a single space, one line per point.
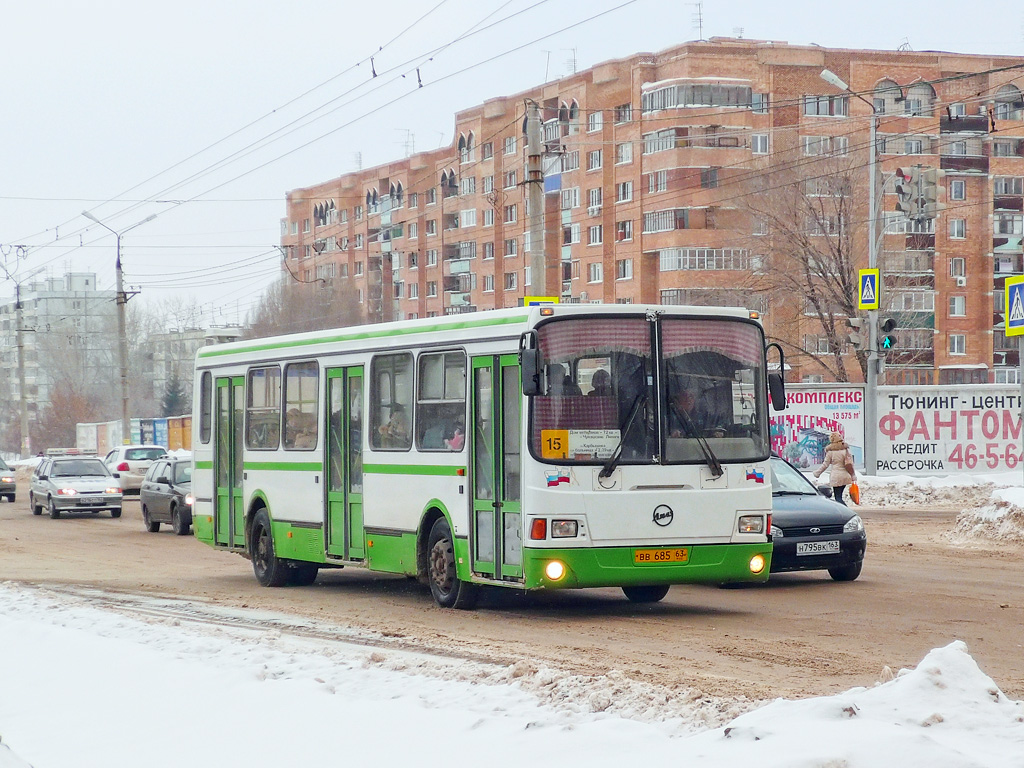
543 447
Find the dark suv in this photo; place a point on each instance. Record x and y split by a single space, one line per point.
166 494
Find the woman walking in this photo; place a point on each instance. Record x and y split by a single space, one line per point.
839 462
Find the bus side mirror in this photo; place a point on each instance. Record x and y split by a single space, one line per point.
777 389
529 363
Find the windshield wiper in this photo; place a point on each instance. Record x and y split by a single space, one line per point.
693 432
613 460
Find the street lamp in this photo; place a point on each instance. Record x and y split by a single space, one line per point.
871 385
122 336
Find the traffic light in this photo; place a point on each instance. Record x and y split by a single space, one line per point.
907 192
857 336
886 337
928 191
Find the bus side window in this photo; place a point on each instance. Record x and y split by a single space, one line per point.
391 402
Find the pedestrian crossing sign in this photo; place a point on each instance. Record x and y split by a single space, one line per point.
1014 292
868 295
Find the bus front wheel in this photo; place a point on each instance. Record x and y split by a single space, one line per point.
446 587
270 570
646 594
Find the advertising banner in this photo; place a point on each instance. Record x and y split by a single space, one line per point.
948 430
813 412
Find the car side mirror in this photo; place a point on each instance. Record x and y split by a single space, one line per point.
163 479
44 477
825 491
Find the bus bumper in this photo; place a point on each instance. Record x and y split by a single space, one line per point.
617 566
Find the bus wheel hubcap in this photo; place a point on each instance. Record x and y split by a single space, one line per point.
440 562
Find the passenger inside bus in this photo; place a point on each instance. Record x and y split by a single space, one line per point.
561 383
601 384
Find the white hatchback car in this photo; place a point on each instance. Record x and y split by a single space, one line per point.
128 464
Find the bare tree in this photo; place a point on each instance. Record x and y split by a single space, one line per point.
289 306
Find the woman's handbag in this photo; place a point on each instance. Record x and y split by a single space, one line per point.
855 493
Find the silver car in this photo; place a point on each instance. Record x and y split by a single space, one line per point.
128 464
73 484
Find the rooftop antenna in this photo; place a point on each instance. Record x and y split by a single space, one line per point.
547 64
698 19
359 160
571 61
905 45
738 31
409 142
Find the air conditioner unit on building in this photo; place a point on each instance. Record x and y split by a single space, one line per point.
961 282
594 210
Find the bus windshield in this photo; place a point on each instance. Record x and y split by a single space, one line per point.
668 389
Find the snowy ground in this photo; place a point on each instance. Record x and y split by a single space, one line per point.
81 686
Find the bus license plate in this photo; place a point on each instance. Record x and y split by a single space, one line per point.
669 555
817 548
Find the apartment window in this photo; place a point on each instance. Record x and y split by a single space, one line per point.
759 103
570 198
623 113
666 221
431 196
709 178
1002 149
359 241
527 276
913 147
488 184
957 267
511 281
432 257
431 289
759 143
624 269
570 161
624 191
414 290
624 230
657 181
295 227
305 225
468 185
957 189
826 106
344 243
957 306
1008 185
594 198
511 212
487 151
467 218
914 301
357 212
594 160
623 153
488 217
488 283
488 250
957 149
958 228
595 121
595 235
958 110
571 234
957 344
510 179
431 227
511 247
358 268
510 145
1008 224
414 230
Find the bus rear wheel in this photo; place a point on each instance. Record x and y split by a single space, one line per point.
270 570
446 587
646 594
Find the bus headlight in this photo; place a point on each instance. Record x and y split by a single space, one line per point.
554 570
564 529
751 524
757 564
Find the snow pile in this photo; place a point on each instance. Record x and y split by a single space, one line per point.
82 687
1000 520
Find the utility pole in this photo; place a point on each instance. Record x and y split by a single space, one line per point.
26 439
122 334
535 199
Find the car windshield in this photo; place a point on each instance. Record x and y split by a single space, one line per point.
3 466
183 472
79 468
604 394
144 454
785 479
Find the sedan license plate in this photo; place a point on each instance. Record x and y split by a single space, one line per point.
90 502
817 548
662 555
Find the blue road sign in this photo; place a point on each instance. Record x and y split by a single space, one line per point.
867 296
1014 292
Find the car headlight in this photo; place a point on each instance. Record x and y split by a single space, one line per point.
115 489
67 492
7 479
776 532
190 500
853 525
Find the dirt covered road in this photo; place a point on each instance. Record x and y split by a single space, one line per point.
799 635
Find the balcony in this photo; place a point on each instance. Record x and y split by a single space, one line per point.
964 163
964 124
1008 203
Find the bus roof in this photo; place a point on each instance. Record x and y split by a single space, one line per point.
498 323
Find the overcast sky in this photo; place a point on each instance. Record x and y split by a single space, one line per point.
206 112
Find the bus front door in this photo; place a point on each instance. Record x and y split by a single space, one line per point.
229 516
344 457
496 542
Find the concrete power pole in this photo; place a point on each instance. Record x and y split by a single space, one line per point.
26 439
535 199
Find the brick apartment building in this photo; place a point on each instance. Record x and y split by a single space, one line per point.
693 176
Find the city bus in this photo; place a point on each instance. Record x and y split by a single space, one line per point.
540 447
